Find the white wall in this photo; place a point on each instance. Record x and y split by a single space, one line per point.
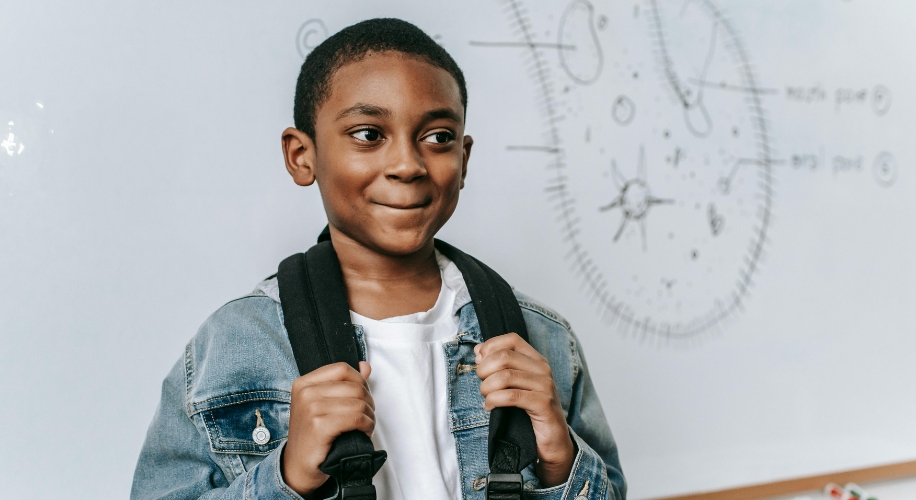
150 190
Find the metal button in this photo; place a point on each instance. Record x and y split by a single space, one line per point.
480 483
260 435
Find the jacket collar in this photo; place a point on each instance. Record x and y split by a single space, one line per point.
468 326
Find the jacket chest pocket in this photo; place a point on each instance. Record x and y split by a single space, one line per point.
253 424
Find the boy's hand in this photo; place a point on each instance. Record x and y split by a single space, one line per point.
515 374
323 405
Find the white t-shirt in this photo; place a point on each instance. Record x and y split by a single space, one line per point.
409 383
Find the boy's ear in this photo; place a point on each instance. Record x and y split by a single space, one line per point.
299 153
468 142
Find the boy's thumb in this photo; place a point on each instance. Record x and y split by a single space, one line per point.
365 369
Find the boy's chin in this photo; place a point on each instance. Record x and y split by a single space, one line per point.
402 242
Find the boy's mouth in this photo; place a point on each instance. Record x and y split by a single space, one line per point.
405 206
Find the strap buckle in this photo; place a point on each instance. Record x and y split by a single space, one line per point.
354 475
363 492
504 486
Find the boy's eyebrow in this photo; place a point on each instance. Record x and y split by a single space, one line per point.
442 113
372 110
363 109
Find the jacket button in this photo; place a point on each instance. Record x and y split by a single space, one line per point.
480 483
260 435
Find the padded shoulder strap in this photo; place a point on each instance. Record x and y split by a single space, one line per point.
317 319
511 442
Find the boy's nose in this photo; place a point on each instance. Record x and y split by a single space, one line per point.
405 163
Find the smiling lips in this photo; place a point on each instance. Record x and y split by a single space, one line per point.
405 206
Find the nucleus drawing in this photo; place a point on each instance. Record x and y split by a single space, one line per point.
634 199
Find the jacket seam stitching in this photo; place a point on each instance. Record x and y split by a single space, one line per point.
574 356
258 391
470 425
213 441
188 375
544 312
237 453
236 394
575 472
245 400
279 478
471 420
248 296
247 443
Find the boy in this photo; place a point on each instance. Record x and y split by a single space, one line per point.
379 116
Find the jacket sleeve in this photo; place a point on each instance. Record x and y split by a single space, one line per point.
596 472
175 461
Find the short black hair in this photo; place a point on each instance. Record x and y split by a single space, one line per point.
351 44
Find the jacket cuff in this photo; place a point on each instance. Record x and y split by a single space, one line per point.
587 479
265 481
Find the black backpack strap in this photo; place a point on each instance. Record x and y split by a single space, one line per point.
317 319
511 443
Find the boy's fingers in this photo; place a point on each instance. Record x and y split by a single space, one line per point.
536 404
337 406
334 390
365 369
510 341
335 372
334 425
510 360
517 379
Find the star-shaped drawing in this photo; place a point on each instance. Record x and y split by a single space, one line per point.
635 198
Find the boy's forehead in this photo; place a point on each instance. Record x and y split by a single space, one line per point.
392 81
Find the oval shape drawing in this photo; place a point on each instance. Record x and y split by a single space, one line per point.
885 169
310 35
580 50
698 120
624 110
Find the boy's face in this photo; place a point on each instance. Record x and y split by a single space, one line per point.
391 152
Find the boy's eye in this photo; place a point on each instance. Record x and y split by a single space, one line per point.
439 137
367 134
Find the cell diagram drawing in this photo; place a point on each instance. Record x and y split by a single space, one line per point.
659 157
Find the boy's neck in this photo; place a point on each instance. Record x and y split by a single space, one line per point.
382 286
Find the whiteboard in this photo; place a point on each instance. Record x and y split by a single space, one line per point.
718 195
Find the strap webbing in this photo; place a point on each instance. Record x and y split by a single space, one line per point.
511 445
320 333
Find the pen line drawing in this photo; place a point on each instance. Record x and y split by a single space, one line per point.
581 12
310 35
624 110
533 45
699 129
634 199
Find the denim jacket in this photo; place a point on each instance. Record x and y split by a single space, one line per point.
200 443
